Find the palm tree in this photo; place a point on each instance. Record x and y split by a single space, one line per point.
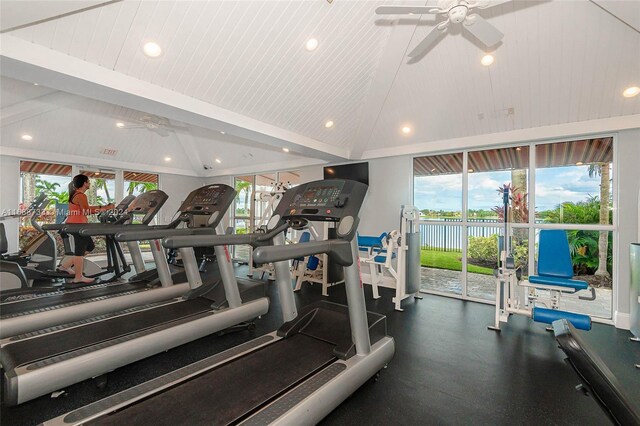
602 169
243 185
141 187
102 183
50 188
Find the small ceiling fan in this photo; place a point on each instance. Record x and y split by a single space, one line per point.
455 11
154 123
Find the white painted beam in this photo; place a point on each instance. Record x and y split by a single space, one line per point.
560 131
265 167
16 14
30 62
34 107
54 157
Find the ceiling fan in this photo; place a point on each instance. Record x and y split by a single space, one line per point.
456 12
154 123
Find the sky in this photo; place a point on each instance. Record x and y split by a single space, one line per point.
553 186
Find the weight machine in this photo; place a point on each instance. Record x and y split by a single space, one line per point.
392 260
555 277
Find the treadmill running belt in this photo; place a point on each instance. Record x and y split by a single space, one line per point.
226 394
45 346
10 309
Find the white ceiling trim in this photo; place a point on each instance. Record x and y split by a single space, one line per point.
190 150
582 128
267 167
30 62
29 154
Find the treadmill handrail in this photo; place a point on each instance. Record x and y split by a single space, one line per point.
254 239
53 226
156 234
338 250
106 229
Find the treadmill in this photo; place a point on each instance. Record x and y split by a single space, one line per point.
22 315
294 376
35 364
38 267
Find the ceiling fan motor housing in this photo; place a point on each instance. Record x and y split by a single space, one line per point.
458 13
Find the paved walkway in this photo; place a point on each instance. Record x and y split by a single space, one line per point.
484 287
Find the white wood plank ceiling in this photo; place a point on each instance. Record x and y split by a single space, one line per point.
559 62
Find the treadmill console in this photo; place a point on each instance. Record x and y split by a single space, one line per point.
333 200
147 204
210 200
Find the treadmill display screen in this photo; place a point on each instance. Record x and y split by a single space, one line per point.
323 195
203 200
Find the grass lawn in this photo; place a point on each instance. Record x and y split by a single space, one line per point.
450 260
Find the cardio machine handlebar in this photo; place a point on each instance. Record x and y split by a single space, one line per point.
254 239
338 250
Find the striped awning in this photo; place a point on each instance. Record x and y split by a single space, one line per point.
45 168
65 170
558 154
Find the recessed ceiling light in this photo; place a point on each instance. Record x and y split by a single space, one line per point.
518 149
630 92
285 149
579 163
26 137
406 130
35 84
167 158
96 173
152 50
311 44
487 60
470 170
328 124
222 132
218 160
119 125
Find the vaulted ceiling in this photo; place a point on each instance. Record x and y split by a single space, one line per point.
240 67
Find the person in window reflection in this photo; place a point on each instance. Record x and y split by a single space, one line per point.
79 209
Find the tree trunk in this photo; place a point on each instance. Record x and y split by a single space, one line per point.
519 182
603 241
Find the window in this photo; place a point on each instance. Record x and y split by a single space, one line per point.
135 183
255 200
564 190
52 179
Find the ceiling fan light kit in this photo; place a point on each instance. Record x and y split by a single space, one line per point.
456 12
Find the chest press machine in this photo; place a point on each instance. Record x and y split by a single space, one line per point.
555 277
392 260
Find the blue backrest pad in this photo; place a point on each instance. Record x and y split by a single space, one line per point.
554 258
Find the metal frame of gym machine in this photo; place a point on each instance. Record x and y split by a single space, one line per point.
27 380
311 398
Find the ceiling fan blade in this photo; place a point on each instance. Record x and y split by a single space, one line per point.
402 10
482 30
427 42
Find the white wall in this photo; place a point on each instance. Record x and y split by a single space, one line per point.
10 197
628 183
177 188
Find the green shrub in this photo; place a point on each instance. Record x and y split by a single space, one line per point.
483 250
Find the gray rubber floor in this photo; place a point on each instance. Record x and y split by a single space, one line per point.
448 369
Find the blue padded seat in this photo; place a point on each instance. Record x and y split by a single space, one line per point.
367 242
554 261
313 262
